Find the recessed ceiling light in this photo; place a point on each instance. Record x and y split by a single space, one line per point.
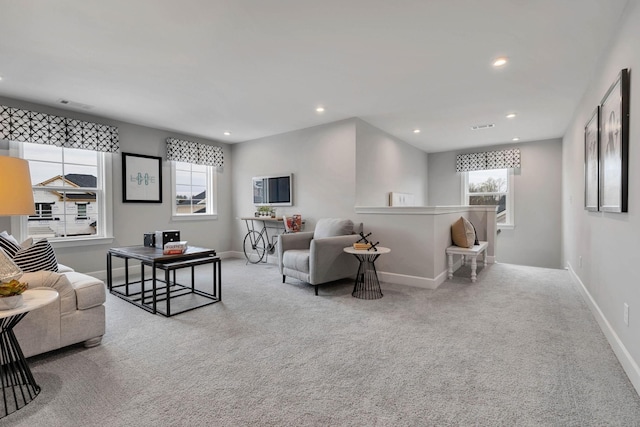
499 62
320 110
227 133
511 115
516 139
416 131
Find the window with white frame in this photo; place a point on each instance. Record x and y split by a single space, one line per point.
491 187
69 192
194 194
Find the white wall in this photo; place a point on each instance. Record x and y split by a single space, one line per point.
536 238
132 220
386 164
335 166
602 248
322 160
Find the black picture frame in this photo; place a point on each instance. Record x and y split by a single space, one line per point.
614 146
141 178
592 162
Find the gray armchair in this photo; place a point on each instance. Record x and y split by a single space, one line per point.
317 257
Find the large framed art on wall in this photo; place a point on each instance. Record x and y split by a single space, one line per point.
141 178
591 161
614 146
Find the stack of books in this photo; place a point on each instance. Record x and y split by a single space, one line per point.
361 246
175 248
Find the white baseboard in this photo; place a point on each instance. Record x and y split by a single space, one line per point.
415 281
271 259
626 360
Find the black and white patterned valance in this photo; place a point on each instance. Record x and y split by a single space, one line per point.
193 152
40 128
503 159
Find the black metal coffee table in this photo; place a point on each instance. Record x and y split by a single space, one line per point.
158 298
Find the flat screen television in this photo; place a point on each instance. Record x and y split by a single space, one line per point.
275 190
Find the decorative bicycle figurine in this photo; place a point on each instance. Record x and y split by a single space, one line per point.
258 245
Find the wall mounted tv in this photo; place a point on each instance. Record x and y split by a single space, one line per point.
275 190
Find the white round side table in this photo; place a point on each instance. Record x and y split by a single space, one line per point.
367 285
18 385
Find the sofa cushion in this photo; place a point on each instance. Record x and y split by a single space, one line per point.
53 280
38 257
463 233
90 291
64 268
296 259
329 227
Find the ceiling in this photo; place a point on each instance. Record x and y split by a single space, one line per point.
259 68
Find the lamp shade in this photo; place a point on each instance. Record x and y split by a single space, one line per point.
16 194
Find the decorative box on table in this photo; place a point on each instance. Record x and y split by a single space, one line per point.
166 236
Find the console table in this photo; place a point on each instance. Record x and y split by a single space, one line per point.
367 285
158 299
18 385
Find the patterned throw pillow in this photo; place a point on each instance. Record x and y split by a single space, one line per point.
38 257
9 246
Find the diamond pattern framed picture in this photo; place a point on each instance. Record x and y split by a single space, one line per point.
141 178
614 146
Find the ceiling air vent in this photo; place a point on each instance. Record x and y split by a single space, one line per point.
74 104
479 127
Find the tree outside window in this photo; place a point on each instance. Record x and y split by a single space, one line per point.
491 187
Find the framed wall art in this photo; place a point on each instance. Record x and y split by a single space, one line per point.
614 146
141 178
591 161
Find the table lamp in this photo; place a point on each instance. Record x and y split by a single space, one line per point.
16 194
16 198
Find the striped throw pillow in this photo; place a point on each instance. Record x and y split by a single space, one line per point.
9 247
38 257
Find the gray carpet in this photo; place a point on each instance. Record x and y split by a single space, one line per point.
518 348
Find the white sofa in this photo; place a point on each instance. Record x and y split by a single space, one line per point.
76 316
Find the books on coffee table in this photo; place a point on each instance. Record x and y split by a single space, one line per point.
175 248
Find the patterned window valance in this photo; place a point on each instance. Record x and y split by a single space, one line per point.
40 128
193 152
502 159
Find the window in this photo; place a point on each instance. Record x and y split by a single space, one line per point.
68 191
193 190
43 211
81 211
491 187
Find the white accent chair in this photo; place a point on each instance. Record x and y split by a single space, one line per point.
317 257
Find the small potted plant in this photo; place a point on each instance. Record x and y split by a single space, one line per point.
11 294
264 210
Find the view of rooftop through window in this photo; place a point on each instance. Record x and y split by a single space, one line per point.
65 188
190 188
